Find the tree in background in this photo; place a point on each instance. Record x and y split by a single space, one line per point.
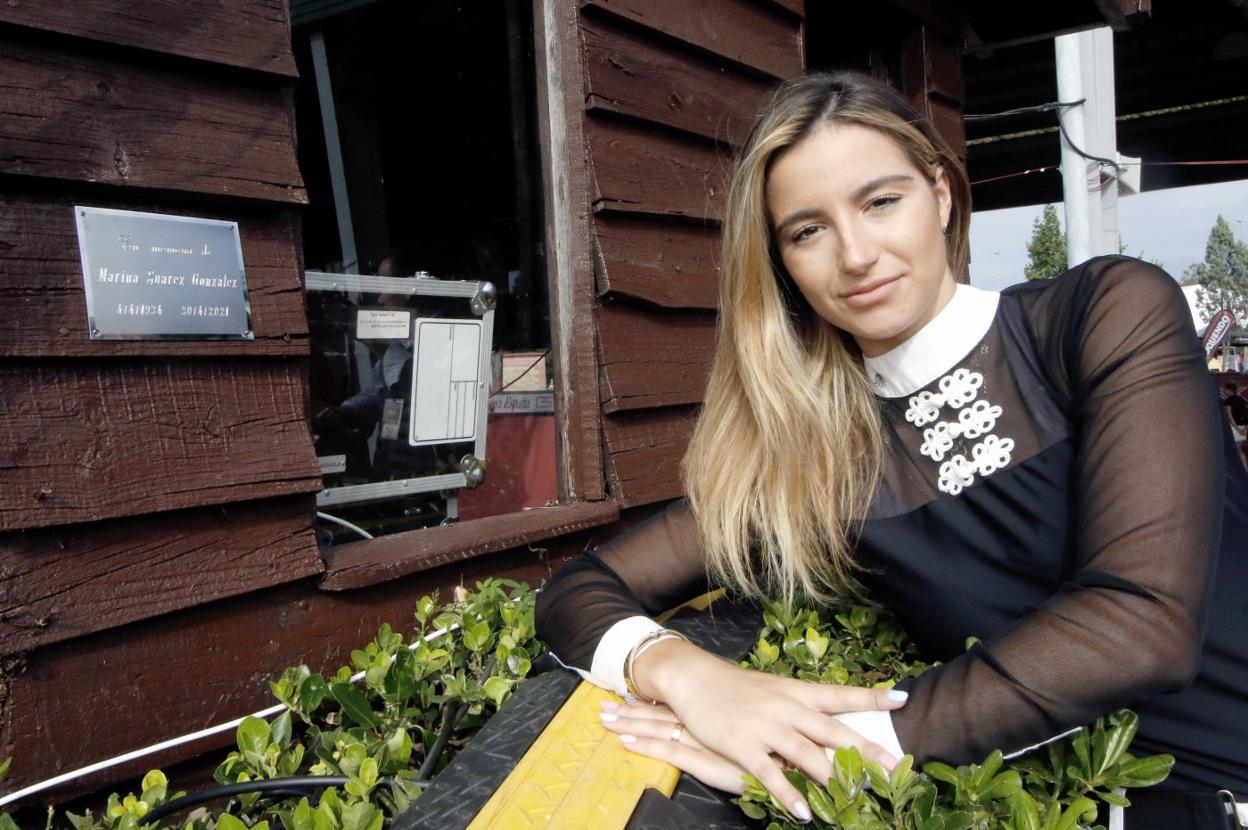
1046 251
1223 276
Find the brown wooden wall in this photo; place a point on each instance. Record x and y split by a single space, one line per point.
669 90
139 478
157 559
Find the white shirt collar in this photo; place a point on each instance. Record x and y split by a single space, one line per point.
934 349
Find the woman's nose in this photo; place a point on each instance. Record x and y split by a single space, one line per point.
859 250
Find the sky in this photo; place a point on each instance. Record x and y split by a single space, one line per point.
1166 226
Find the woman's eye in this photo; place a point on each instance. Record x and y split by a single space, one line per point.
881 202
804 232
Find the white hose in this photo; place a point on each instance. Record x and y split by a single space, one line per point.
342 522
172 742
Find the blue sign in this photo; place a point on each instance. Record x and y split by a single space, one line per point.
153 276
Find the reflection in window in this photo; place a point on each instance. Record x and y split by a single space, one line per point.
426 174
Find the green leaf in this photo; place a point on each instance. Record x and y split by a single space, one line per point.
312 691
82 822
847 763
1026 814
751 809
1004 785
355 704
280 730
816 642
941 772
1082 744
398 750
497 688
820 803
1126 724
253 735
1141 772
477 637
765 653
1080 809
225 821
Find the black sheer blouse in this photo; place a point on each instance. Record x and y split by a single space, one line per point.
1062 486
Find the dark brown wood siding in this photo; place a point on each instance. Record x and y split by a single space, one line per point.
669 91
143 480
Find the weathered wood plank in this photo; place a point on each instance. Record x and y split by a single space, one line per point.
644 450
932 77
947 118
61 583
636 76
192 669
766 40
939 60
651 359
796 7
670 264
566 189
65 116
253 34
640 170
84 442
361 564
43 305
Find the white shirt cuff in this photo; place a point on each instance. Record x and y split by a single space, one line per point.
607 668
875 726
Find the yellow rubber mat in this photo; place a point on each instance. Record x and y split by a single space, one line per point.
577 775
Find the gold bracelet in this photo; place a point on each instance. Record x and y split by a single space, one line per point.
656 636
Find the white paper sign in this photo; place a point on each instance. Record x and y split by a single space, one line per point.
446 381
371 324
332 464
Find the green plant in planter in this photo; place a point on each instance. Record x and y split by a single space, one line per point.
412 709
416 705
1057 787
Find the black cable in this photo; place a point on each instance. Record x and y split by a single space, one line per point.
1062 127
282 787
993 116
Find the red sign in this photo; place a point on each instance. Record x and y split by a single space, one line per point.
1221 323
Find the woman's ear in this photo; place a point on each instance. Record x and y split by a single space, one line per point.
944 199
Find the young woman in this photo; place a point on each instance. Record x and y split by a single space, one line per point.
1045 469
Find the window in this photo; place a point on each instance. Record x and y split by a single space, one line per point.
423 249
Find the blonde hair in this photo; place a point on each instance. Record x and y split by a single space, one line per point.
786 455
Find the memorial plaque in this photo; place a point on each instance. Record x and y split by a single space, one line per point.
149 276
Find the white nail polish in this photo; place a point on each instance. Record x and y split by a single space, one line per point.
801 811
628 739
898 696
607 717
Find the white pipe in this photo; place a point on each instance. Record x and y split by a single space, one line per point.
172 742
344 523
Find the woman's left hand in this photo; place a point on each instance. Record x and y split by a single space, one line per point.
652 731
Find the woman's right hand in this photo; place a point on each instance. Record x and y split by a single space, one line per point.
759 721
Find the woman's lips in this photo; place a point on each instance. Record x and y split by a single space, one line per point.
871 294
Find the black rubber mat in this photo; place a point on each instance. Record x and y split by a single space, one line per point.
462 789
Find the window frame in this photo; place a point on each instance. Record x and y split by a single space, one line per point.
583 499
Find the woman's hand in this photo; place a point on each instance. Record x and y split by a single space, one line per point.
759 722
656 732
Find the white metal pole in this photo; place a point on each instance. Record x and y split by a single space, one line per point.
1085 72
1074 166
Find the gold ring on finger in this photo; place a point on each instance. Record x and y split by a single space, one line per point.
677 732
